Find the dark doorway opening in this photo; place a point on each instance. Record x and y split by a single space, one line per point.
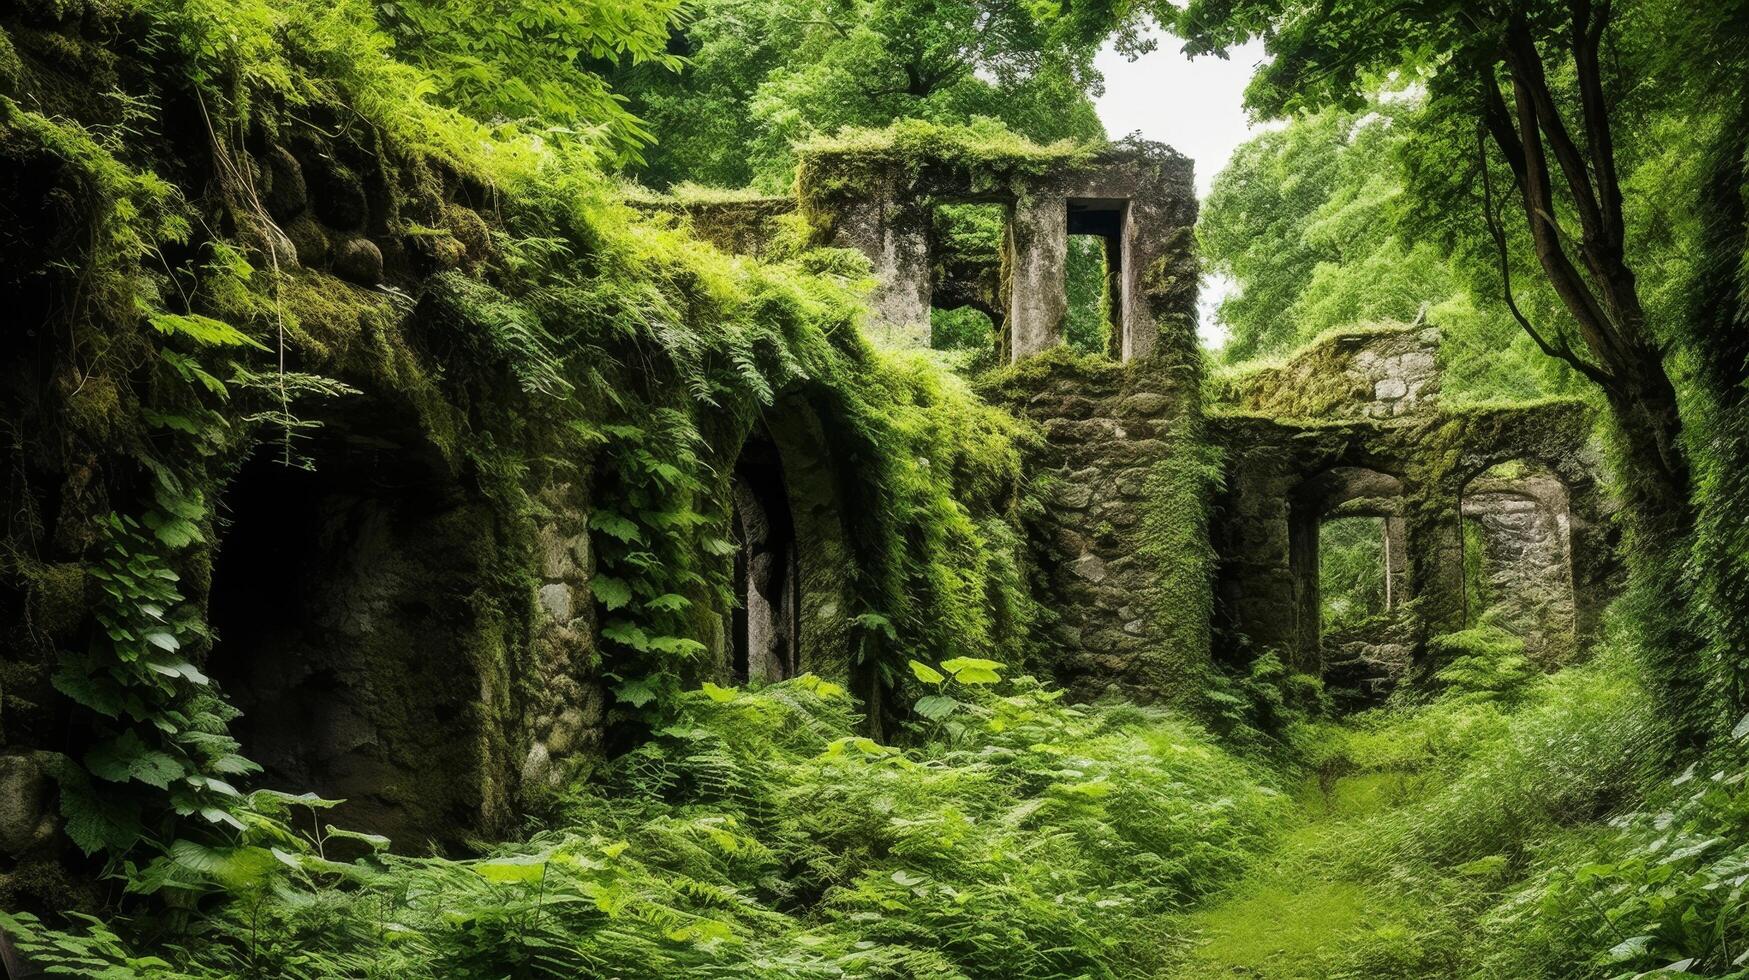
764 625
343 604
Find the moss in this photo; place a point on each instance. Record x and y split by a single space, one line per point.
984 159
359 336
1050 368
11 67
470 230
310 240
44 882
94 408
57 597
1308 382
69 11
434 249
73 60
988 151
1176 541
686 193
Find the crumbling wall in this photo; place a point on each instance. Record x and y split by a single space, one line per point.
1377 373
740 225
1121 543
1287 430
875 193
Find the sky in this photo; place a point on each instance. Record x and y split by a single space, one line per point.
1194 105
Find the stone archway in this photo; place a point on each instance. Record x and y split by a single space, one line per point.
791 510
764 635
1518 557
1367 653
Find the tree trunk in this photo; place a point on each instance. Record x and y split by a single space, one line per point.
1591 275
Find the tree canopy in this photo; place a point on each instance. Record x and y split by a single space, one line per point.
761 75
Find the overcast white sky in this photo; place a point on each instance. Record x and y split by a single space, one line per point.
1192 105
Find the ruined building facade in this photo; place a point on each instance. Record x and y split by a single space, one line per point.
399 638
1182 517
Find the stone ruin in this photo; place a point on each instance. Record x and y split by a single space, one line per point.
1141 590
1353 426
1138 197
1172 524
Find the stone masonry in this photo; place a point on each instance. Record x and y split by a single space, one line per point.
1291 431
1139 196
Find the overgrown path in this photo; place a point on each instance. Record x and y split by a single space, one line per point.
1298 911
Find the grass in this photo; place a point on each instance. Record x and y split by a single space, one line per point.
759 836
1298 912
1436 836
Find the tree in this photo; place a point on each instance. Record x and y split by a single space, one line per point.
1520 88
529 61
1559 146
1316 224
763 74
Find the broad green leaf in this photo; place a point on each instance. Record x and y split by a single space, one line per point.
126 757
681 645
936 706
973 670
611 592
163 640
376 842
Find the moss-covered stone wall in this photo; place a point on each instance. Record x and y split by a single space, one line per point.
875 192
1383 371
1289 429
409 438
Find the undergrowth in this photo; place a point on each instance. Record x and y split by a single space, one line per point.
756 835
1510 828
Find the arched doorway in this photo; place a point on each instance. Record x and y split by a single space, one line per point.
764 629
346 605
1518 559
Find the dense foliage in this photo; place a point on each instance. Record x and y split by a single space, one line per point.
760 76
925 817
1315 223
757 834
1565 185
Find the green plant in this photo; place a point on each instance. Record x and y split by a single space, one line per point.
757 834
1484 662
159 725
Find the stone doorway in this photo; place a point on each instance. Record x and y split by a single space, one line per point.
764 628
344 609
1518 563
